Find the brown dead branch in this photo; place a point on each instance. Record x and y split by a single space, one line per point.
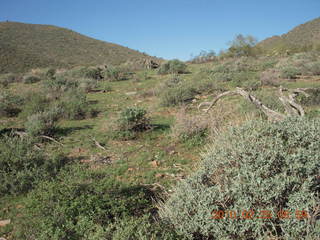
291 107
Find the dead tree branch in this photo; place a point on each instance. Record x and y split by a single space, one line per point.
291 107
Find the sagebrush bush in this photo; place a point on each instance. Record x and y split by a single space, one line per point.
133 119
73 105
34 103
112 73
259 166
31 79
270 77
188 127
173 66
87 84
42 123
22 166
9 78
177 95
10 105
290 72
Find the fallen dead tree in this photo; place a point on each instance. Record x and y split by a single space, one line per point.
292 108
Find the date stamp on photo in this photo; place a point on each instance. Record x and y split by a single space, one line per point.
261 214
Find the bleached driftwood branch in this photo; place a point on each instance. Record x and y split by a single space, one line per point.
292 108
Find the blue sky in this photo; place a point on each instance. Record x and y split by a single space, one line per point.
164 28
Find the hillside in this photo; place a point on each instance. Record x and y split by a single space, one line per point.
25 46
303 37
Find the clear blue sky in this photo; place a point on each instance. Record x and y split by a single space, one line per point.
166 28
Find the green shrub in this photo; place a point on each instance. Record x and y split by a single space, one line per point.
92 73
56 87
290 72
173 66
259 166
50 73
87 84
188 127
81 205
34 103
42 123
6 79
73 105
22 166
31 79
133 119
177 95
314 68
10 105
115 74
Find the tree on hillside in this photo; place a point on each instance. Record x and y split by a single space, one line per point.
242 46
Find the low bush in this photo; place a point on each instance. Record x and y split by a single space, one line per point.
22 166
87 84
260 166
133 119
173 66
290 72
34 103
9 78
177 95
92 73
31 79
115 74
10 105
189 127
313 68
42 123
79 204
270 77
73 105
50 73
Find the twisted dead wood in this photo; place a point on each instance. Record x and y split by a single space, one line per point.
291 107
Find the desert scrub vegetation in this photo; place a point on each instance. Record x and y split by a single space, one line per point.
130 122
173 66
10 104
115 73
190 128
28 79
42 123
81 204
22 166
258 166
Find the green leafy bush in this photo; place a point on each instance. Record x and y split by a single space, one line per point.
10 105
31 79
6 79
87 84
112 73
73 104
22 166
290 72
133 119
177 95
173 66
42 123
314 68
79 204
259 166
50 73
92 73
34 103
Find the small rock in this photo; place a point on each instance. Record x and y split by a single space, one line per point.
4 222
131 93
154 163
